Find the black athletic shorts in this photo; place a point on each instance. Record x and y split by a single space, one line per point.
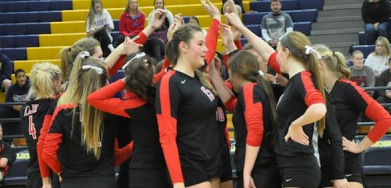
299 171
267 177
151 178
227 169
353 173
96 182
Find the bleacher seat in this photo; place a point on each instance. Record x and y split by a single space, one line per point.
26 40
38 28
61 5
15 53
13 29
39 5
7 41
7 17
50 16
306 15
304 27
311 4
14 6
256 29
377 164
26 17
253 18
361 38
365 49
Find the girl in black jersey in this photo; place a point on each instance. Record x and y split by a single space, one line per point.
350 101
80 143
147 167
254 120
45 84
185 105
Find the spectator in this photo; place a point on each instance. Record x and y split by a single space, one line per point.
378 59
131 22
16 93
375 15
99 25
276 24
238 5
385 80
5 72
7 156
194 20
362 75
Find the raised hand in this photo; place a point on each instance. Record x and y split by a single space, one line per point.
130 46
233 19
212 10
158 18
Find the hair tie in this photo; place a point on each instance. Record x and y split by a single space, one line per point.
309 50
84 54
260 72
139 55
88 67
69 49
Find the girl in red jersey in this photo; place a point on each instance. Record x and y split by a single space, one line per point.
301 105
80 143
186 105
349 101
147 167
45 84
254 120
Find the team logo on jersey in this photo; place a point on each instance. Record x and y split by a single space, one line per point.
220 116
29 110
280 99
208 93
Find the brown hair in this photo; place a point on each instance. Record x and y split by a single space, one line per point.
296 43
68 55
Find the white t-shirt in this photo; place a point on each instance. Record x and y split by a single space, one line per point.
100 19
377 63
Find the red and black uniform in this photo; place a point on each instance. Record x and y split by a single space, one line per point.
64 152
6 152
147 167
187 128
32 116
349 101
252 119
296 162
221 118
331 154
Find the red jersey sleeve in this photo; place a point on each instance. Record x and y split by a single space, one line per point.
312 95
101 99
238 44
272 62
211 40
373 110
230 104
165 109
53 140
122 154
43 167
253 115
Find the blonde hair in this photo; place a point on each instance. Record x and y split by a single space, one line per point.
68 55
386 46
296 42
128 4
91 12
83 81
335 61
42 77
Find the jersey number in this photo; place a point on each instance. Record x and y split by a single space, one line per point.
32 130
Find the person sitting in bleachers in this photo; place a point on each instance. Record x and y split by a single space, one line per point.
276 24
361 74
385 80
16 93
99 24
238 5
375 15
378 59
7 156
194 20
155 44
131 22
5 72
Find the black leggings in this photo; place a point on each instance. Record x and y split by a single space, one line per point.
103 37
155 48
